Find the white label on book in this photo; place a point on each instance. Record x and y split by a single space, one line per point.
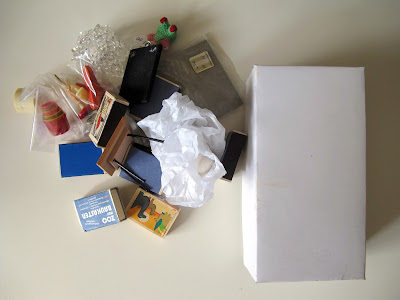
201 62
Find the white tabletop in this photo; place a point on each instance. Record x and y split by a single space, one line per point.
45 255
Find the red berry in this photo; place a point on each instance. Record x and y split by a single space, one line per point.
164 19
173 28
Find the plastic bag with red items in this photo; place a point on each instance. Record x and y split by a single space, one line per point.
62 113
95 90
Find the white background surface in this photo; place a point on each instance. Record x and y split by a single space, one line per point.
44 254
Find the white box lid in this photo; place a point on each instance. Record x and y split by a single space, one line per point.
304 185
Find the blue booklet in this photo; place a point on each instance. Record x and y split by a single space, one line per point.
146 166
79 159
100 210
162 89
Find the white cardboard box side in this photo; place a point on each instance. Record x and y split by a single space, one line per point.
307 158
249 187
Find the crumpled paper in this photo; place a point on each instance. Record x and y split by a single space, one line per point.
194 140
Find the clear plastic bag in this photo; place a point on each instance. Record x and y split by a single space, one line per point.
60 116
99 50
194 140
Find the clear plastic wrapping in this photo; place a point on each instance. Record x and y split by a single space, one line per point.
101 51
62 111
194 140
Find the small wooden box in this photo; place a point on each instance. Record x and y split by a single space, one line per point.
111 110
152 213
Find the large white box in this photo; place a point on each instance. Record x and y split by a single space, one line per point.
304 187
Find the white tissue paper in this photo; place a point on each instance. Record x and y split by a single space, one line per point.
194 140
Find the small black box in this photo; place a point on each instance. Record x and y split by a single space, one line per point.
234 146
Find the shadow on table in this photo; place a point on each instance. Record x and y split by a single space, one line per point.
382 73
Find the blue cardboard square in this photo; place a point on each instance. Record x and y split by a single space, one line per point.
79 159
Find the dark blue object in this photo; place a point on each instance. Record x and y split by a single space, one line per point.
79 159
144 165
162 89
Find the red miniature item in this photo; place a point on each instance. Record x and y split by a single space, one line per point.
96 91
55 119
84 112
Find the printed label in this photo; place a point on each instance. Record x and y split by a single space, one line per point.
96 211
102 116
201 62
